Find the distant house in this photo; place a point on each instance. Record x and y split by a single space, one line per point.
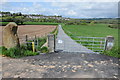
47 17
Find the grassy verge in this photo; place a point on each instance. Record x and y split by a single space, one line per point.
96 30
3 23
40 23
55 31
16 52
25 49
32 23
41 41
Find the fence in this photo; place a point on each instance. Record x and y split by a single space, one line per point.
37 43
33 43
97 44
22 38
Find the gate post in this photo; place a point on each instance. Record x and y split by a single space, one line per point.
109 42
51 42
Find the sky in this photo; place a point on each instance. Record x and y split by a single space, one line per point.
65 9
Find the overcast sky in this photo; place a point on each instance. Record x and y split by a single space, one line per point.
66 9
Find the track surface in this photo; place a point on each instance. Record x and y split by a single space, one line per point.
66 44
61 65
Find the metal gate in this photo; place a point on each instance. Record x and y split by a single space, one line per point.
97 44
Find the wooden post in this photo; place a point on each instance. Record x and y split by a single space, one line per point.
37 43
109 42
26 39
35 36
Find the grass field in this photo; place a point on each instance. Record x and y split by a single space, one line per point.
96 30
32 23
40 23
3 23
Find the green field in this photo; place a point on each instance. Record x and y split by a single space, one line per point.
96 30
3 23
40 23
32 23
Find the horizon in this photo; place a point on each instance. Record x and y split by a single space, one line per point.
64 17
65 9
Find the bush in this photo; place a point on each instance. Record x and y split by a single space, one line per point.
23 48
92 22
41 42
27 50
17 52
30 53
83 23
14 52
113 52
29 46
3 50
44 50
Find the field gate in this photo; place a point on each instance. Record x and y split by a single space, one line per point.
97 44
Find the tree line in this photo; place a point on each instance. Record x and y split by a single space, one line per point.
20 18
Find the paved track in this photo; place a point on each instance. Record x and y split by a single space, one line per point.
66 44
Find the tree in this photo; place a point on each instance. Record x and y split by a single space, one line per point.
7 19
19 19
83 22
92 22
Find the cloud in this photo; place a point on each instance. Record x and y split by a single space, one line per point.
3 0
60 0
66 9
72 13
90 9
36 5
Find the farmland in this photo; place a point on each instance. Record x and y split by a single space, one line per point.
32 30
32 23
40 23
96 30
